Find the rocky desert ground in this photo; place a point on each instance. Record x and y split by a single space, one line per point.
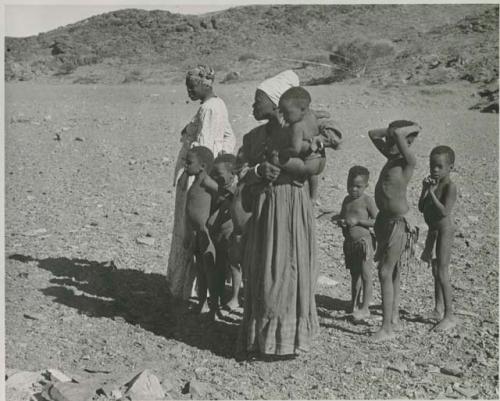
89 211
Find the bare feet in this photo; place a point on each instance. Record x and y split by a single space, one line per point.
232 304
434 316
383 335
361 314
396 324
445 324
203 308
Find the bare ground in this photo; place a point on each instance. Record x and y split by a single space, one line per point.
74 205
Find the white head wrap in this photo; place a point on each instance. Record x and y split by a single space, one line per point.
275 86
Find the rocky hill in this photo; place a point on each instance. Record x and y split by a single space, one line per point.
416 44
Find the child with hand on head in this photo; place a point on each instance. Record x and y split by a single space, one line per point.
198 163
391 228
220 225
438 196
356 217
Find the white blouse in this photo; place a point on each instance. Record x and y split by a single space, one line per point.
210 127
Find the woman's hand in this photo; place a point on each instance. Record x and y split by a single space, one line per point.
268 171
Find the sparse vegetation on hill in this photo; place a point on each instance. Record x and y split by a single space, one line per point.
418 44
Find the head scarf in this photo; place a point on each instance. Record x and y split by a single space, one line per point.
274 87
202 74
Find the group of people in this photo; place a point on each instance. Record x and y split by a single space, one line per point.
250 213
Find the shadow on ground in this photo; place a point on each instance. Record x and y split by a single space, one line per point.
99 289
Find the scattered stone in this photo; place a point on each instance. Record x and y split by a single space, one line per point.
64 129
231 76
33 316
473 219
71 392
397 368
89 370
145 241
327 281
377 371
23 380
466 392
452 371
10 372
108 388
200 371
144 386
79 139
57 376
132 162
19 118
48 117
199 390
169 383
34 233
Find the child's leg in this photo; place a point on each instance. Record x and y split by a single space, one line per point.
221 264
355 289
443 251
201 286
236 284
366 277
386 269
209 268
395 297
313 188
437 313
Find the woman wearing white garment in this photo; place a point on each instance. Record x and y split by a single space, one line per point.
210 127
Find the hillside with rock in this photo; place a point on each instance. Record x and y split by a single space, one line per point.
387 44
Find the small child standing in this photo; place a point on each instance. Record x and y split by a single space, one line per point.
198 163
436 202
356 216
391 228
221 228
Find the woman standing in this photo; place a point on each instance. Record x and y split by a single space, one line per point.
279 262
209 127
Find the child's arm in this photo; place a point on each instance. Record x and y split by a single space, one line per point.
298 144
423 194
340 218
210 185
399 135
378 137
450 197
372 213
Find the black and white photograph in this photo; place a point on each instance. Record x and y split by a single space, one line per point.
236 200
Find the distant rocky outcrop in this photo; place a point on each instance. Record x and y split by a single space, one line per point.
407 44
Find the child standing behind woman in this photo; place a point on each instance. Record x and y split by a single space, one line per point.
210 127
437 199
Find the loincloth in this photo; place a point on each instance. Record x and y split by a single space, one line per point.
358 251
393 232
